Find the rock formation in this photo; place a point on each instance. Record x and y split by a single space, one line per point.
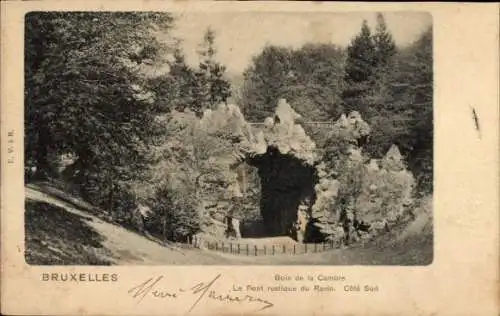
281 151
286 171
303 191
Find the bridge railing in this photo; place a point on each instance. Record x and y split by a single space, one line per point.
299 123
248 249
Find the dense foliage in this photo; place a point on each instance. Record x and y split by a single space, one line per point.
309 78
194 88
85 95
100 115
390 86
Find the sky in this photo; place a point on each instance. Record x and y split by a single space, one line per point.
241 35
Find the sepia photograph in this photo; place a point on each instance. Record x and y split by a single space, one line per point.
228 138
249 158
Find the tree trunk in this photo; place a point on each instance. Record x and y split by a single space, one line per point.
164 227
41 156
111 197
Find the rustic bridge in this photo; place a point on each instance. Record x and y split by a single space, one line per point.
311 123
283 182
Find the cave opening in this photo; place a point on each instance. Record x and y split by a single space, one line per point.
286 185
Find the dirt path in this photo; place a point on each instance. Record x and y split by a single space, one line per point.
117 245
58 232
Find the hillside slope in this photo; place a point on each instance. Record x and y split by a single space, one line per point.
62 230
57 232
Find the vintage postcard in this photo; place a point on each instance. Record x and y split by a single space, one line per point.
249 158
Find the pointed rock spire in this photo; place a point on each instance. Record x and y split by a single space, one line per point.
393 160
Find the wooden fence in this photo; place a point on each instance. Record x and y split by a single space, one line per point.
247 249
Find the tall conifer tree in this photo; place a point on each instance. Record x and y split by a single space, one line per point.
212 87
360 67
385 46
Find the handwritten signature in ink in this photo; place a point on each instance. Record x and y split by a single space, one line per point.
153 288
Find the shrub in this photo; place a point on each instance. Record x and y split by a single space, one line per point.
176 211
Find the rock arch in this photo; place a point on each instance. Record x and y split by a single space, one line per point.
287 188
297 190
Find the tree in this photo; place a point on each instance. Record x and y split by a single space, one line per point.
418 74
85 94
393 89
360 68
388 119
211 86
403 115
177 212
361 56
265 81
174 90
371 90
316 91
385 47
310 78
